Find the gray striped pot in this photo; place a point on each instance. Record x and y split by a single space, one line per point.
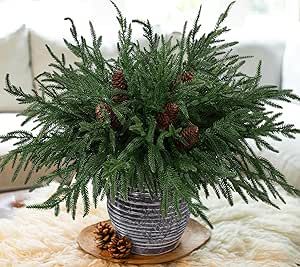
139 218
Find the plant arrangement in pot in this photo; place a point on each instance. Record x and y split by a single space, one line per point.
155 130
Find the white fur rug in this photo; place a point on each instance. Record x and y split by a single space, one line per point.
244 235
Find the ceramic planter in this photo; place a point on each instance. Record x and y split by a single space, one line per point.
140 219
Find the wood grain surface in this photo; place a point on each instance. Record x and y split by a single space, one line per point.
195 236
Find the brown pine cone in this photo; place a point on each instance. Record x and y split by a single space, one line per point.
187 76
114 121
191 136
119 247
120 98
103 107
118 80
104 234
172 109
100 109
163 120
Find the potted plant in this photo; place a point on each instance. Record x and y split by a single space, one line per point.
155 130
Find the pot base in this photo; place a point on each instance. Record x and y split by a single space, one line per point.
195 236
156 252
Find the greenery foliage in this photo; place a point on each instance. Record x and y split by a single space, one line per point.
229 107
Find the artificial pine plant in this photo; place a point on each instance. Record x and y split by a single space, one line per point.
174 118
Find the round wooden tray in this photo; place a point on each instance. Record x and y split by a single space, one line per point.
193 238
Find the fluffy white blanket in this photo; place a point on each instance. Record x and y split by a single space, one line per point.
244 235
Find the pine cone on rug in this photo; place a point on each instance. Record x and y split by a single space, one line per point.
104 234
120 247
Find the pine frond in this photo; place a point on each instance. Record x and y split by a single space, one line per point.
98 122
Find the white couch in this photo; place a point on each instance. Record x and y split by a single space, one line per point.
23 55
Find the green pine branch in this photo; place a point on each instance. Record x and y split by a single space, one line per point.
229 107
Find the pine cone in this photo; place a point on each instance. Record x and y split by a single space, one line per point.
119 247
118 80
103 107
187 76
114 121
100 109
120 98
191 136
172 110
104 234
163 120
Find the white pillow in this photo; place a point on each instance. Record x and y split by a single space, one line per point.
11 122
291 70
15 60
288 158
40 55
270 52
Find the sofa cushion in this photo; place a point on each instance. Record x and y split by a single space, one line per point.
54 39
291 71
288 159
269 52
11 122
40 55
15 60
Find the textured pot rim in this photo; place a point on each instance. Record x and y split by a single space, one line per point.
152 231
138 212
